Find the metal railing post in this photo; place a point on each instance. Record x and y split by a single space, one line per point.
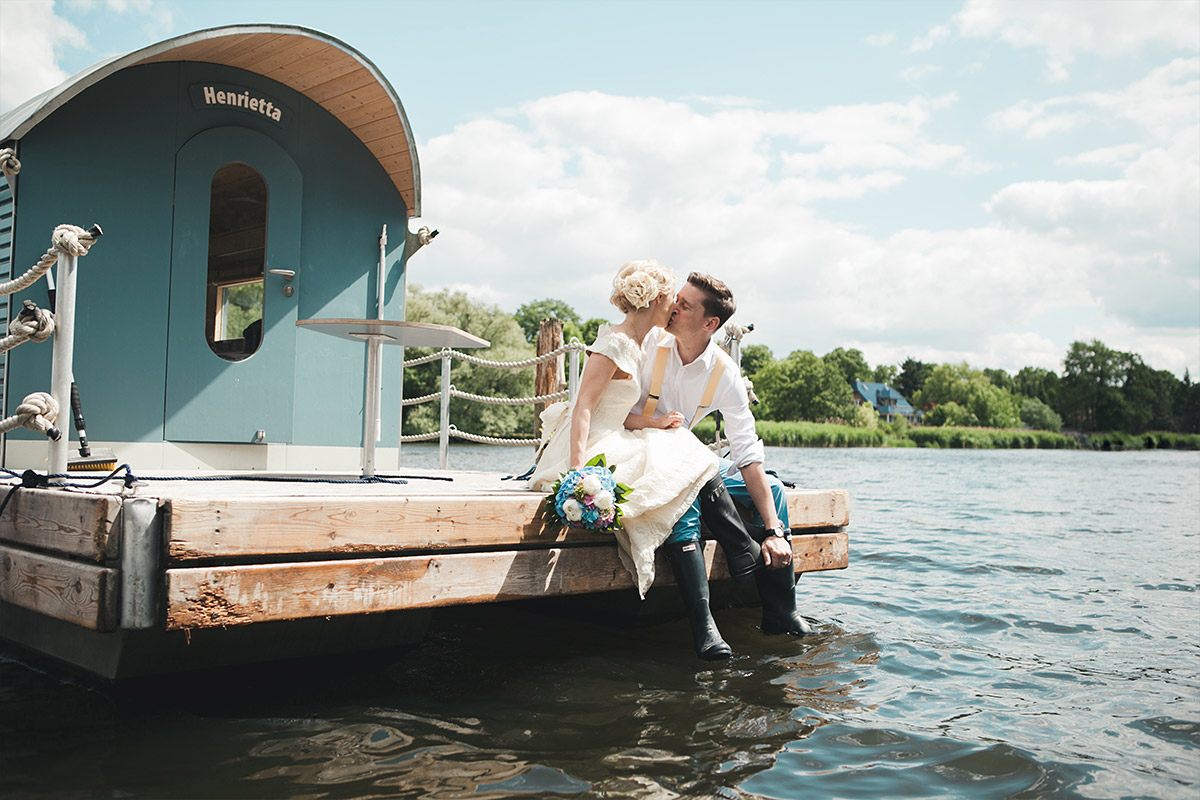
573 380
444 429
64 349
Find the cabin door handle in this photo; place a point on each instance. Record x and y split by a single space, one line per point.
288 275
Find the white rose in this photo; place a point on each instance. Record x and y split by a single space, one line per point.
573 510
591 484
603 501
639 289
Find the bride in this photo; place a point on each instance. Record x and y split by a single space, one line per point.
660 458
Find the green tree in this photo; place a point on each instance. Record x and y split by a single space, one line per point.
755 357
911 380
802 387
886 373
507 344
1038 383
999 378
1187 405
850 363
1089 395
989 405
1039 416
530 316
588 330
950 413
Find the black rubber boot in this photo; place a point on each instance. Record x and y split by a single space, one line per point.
692 579
742 553
777 591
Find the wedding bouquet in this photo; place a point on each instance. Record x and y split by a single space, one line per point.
589 497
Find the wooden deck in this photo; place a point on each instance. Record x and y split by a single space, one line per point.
186 556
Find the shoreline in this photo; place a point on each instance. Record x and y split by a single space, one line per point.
827 434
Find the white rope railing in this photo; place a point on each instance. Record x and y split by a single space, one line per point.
32 324
38 412
470 359
508 401
67 239
446 430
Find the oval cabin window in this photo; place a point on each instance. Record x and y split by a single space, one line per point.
237 258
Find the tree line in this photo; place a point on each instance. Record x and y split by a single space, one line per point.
1098 389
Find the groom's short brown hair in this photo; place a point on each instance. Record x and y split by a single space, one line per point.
718 300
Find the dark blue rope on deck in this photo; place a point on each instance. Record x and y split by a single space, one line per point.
35 480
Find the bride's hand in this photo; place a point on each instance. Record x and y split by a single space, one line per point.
672 420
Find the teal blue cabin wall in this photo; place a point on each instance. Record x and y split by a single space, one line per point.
108 156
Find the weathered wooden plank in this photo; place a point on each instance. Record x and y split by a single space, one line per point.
258 526
82 594
265 526
819 508
220 596
75 524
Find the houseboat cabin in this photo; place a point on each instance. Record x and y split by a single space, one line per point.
243 178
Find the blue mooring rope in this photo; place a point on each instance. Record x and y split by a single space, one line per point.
35 480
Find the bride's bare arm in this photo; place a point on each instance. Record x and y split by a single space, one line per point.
635 422
597 373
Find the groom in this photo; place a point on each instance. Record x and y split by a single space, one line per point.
685 374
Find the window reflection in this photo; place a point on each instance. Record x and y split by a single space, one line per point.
237 257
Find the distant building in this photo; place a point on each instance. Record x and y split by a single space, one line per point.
885 400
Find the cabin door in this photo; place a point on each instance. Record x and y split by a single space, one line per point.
231 338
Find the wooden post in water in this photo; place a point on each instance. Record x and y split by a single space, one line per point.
549 378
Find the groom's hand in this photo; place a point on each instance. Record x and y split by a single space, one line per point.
776 552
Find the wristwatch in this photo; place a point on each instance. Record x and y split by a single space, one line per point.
780 532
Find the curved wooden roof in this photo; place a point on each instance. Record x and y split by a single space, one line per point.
327 71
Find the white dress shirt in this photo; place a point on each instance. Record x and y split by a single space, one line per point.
683 390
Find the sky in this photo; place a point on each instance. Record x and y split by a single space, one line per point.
984 181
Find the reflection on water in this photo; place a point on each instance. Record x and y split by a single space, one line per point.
1013 624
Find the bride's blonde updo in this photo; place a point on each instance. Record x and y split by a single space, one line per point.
640 283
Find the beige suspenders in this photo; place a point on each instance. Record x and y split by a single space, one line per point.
710 392
660 371
656 382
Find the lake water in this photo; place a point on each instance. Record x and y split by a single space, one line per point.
1017 624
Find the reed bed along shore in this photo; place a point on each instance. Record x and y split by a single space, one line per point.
829 434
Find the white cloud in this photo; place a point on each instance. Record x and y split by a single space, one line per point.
917 72
1117 155
1163 104
1065 29
32 37
926 42
550 202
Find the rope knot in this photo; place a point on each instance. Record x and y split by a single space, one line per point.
38 411
72 240
9 164
33 323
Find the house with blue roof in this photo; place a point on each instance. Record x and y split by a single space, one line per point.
886 401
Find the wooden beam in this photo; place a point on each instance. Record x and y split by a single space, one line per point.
823 508
221 596
74 524
258 526
78 593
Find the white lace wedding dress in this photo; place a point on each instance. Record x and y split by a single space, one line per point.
666 468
